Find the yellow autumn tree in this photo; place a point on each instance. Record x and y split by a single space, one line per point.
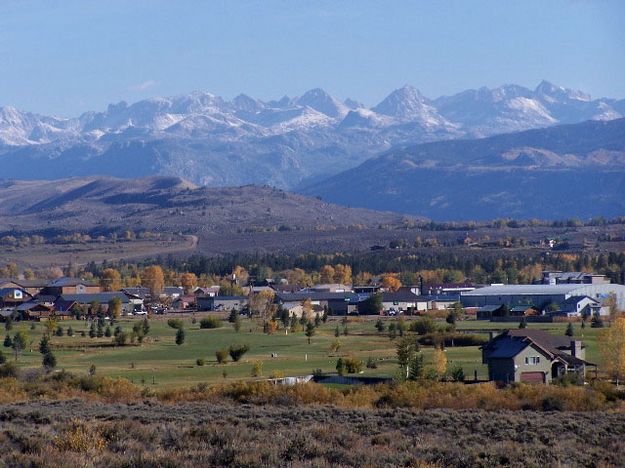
188 282
391 283
154 279
261 303
440 362
111 280
612 347
326 275
343 274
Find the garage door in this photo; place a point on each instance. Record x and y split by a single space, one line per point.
533 377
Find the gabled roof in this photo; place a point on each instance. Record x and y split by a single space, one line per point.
574 300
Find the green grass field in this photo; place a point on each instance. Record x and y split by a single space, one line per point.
162 363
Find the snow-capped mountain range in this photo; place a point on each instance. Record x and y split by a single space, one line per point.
212 141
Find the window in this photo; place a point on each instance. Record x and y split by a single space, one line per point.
532 360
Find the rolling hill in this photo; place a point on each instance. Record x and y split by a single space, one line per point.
559 172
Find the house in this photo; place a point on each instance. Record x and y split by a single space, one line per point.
36 311
402 301
573 277
85 300
183 302
442 301
32 287
209 291
67 285
533 356
173 292
221 303
581 306
11 297
338 303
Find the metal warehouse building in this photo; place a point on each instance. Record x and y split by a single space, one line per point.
540 294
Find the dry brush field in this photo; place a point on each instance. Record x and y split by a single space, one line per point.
79 433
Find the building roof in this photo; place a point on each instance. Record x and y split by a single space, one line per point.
171 290
402 296
315 296
66 281
226 298
573 300
524 289
102 298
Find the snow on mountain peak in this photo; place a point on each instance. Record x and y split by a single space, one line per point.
323 102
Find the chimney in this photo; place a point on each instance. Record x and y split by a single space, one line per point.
576 348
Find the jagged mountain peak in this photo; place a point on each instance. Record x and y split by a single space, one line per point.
323 102
552 92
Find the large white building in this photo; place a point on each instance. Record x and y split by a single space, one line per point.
540 295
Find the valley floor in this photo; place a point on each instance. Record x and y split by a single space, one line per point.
80 433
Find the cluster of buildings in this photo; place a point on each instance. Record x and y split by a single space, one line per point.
561 294
39 299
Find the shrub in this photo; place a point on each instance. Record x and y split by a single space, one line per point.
452 339
457 374
423 326
221 355
210 322
107 332
552 403
59 331
371 364
80 437
237 351
352 365
9 369
121 339
257 369
176 324
200 361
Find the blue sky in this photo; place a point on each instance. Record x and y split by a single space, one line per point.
65 57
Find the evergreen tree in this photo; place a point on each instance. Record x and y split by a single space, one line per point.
92 331
145 326
108 333
49 361
379 326
416 368
596 322
523 323
337 331
310 331
233 315
70 331
569 330
340 366
44 345
180 336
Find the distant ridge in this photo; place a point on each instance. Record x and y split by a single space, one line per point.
216 142
558 172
